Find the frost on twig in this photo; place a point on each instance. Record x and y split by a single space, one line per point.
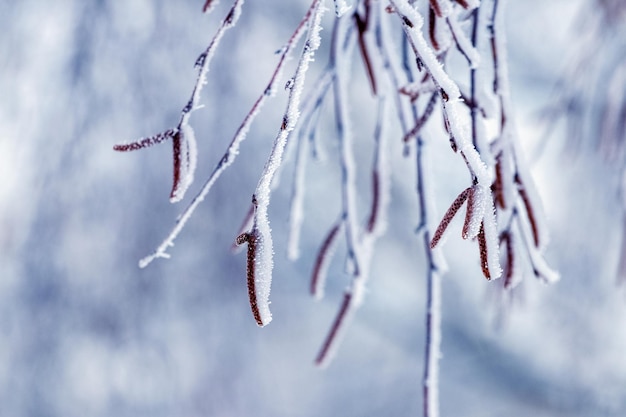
261 225
305 138
258 268
413 86
360 239
258 290
463 44
233 148
183 137
320 267
146 142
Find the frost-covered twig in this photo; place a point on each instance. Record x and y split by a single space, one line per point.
513 182
455 122
381 178
464 45
419 124
324 256
261 231
432 350
349 217
233 148
502 207
306 129
345 135
360 249
183 137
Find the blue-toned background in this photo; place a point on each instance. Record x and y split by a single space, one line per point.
85 332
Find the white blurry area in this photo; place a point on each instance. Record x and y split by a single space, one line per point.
84 331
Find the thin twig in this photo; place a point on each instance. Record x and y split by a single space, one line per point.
261 229
233 148
320 267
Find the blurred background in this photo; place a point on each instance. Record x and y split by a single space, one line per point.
85 332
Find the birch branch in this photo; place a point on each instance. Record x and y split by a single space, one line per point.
264 250
233 148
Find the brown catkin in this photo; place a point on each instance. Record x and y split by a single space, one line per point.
145 142
469 213
250 239
482 247
447 218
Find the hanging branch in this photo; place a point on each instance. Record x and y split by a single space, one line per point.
463 44
324 256
233 148
432 350
447 218
263 249
345 135
362 24
361 248
381 181
310 111
412 22
183 138
340 59
425 117
498 178
515 182
390 68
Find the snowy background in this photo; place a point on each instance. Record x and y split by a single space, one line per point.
85 332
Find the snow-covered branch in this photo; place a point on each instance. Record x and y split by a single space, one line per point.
233 148
183 137
412 86
263 251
